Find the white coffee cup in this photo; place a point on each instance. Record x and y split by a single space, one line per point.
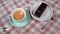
21 10
46 14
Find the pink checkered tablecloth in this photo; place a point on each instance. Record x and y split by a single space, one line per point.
6 7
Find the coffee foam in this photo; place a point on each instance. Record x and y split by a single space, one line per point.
18 15
18 9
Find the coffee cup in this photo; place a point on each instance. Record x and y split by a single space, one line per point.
45 15
18 14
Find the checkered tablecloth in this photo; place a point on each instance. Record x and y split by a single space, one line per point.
6 7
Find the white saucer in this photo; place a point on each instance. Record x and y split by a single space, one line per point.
46 14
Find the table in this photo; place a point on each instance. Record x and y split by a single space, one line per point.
6 7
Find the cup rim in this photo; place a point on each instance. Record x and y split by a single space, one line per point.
15 11
38 18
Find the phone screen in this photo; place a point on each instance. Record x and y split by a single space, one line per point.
40 10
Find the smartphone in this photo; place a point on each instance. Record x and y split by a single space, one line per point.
40 9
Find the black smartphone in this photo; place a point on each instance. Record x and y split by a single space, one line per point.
40 9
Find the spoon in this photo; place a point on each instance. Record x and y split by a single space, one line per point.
52 18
